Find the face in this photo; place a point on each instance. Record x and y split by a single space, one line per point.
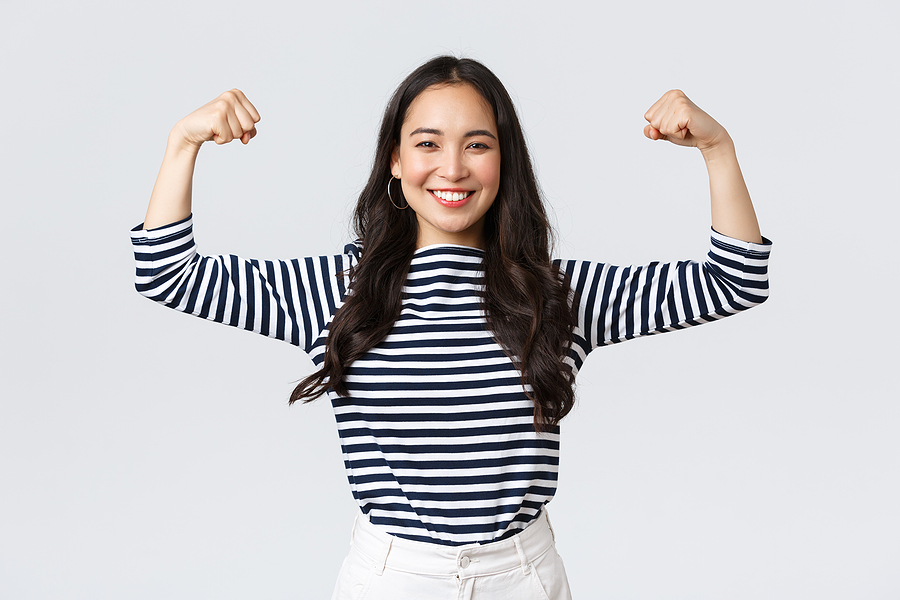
448 163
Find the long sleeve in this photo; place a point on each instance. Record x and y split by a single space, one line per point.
621 303
290 300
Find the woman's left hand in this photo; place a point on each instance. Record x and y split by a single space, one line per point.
676 119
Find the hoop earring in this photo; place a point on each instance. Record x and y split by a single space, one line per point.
391 199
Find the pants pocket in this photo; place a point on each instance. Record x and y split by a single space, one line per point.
355 577
550 575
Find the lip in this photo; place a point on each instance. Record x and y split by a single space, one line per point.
450 203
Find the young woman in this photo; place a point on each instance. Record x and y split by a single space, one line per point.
445 336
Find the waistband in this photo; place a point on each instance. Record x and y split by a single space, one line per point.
472 560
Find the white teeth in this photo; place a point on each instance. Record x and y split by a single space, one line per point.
452 196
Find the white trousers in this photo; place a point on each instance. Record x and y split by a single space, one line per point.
383 567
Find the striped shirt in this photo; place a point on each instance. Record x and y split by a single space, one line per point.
437 433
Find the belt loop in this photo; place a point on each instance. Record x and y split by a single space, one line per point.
521 553
380 562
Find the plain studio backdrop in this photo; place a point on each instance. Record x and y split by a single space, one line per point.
147 454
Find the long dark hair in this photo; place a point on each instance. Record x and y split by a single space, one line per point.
526 299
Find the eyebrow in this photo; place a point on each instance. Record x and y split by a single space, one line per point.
473 133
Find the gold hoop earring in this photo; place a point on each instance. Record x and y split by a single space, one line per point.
391 199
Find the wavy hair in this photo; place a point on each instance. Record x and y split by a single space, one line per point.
526 298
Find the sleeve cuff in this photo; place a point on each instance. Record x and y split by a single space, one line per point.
139 234
740 246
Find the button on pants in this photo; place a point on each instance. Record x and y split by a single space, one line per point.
383 567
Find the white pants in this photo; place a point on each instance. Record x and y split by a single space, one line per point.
383 567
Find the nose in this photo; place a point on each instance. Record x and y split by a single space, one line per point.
454 167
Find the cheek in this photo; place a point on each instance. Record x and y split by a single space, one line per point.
489 174
415 170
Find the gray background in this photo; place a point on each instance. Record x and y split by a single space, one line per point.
147 454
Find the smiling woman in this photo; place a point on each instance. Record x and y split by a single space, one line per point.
448 160
446 337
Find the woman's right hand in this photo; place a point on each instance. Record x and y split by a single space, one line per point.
229 117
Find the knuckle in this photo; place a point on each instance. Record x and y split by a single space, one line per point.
228 97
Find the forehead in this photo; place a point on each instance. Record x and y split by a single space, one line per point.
449 106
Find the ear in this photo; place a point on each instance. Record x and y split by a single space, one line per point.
395 162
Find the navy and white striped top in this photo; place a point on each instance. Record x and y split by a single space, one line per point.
437 432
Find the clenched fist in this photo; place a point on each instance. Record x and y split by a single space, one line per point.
676 119
229 117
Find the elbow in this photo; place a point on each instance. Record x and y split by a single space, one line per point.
755 295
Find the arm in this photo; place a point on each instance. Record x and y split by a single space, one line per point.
621 303
229 117
676 119
288 300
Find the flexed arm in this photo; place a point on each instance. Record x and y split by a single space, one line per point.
229 117
676 119
621 303
291 300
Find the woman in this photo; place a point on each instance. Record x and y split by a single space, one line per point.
445 337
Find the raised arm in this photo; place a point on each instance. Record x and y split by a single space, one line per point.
229 117
676 119
291 300
621 303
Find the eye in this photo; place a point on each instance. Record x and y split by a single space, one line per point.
426 144
479 146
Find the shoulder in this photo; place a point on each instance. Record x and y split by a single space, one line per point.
354 250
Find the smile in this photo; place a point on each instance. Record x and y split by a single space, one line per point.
451 196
